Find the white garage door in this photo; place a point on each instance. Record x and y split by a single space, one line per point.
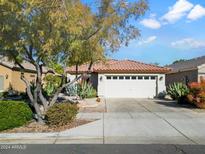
130 86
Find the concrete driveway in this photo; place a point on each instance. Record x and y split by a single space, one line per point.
129 121
145 121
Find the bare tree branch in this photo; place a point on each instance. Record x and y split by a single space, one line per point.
28 89
90 66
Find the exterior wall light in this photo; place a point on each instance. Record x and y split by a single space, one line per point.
161 78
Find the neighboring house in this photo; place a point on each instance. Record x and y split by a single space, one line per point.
186 71
10 75
124 78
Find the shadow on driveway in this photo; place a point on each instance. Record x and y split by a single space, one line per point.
174 104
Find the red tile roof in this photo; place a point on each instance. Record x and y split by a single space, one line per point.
120 66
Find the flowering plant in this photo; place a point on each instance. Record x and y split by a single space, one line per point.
197 93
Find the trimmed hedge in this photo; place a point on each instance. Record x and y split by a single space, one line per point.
14 114
61 114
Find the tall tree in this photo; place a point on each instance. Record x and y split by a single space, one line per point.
66 32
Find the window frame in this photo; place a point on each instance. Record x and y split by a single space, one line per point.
140 78
108 77
153 77
146 77
127 77
121 77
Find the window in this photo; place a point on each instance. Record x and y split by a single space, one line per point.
146 77
134 77
140 77
114 77
153 77
108 77
33 76
127 77
121 77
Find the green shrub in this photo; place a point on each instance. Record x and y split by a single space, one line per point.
86 90
4 94
52 82
178 91
61 114
1 95
14 114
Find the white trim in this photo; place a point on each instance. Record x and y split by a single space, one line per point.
201 66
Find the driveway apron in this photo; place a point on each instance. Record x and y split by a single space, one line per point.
147 121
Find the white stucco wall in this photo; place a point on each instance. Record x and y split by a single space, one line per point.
70 77
201 72
161 83
101 85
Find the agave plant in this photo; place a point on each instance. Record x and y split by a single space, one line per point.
86 90
72 90
178 90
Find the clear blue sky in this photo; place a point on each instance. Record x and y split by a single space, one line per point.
170 30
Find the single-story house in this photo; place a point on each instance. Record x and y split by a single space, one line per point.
124 78
10 75
186 71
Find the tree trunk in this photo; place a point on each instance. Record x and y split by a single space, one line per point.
39 116
43 101
33 100
38 95
76 70
28 89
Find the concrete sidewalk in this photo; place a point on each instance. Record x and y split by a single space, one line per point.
137 122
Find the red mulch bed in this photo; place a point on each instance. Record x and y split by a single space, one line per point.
34 127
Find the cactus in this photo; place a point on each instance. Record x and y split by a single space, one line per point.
177 90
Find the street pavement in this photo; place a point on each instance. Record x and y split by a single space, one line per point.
104 149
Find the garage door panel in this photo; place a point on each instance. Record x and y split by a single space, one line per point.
130 88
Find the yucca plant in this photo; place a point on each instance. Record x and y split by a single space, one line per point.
178 91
